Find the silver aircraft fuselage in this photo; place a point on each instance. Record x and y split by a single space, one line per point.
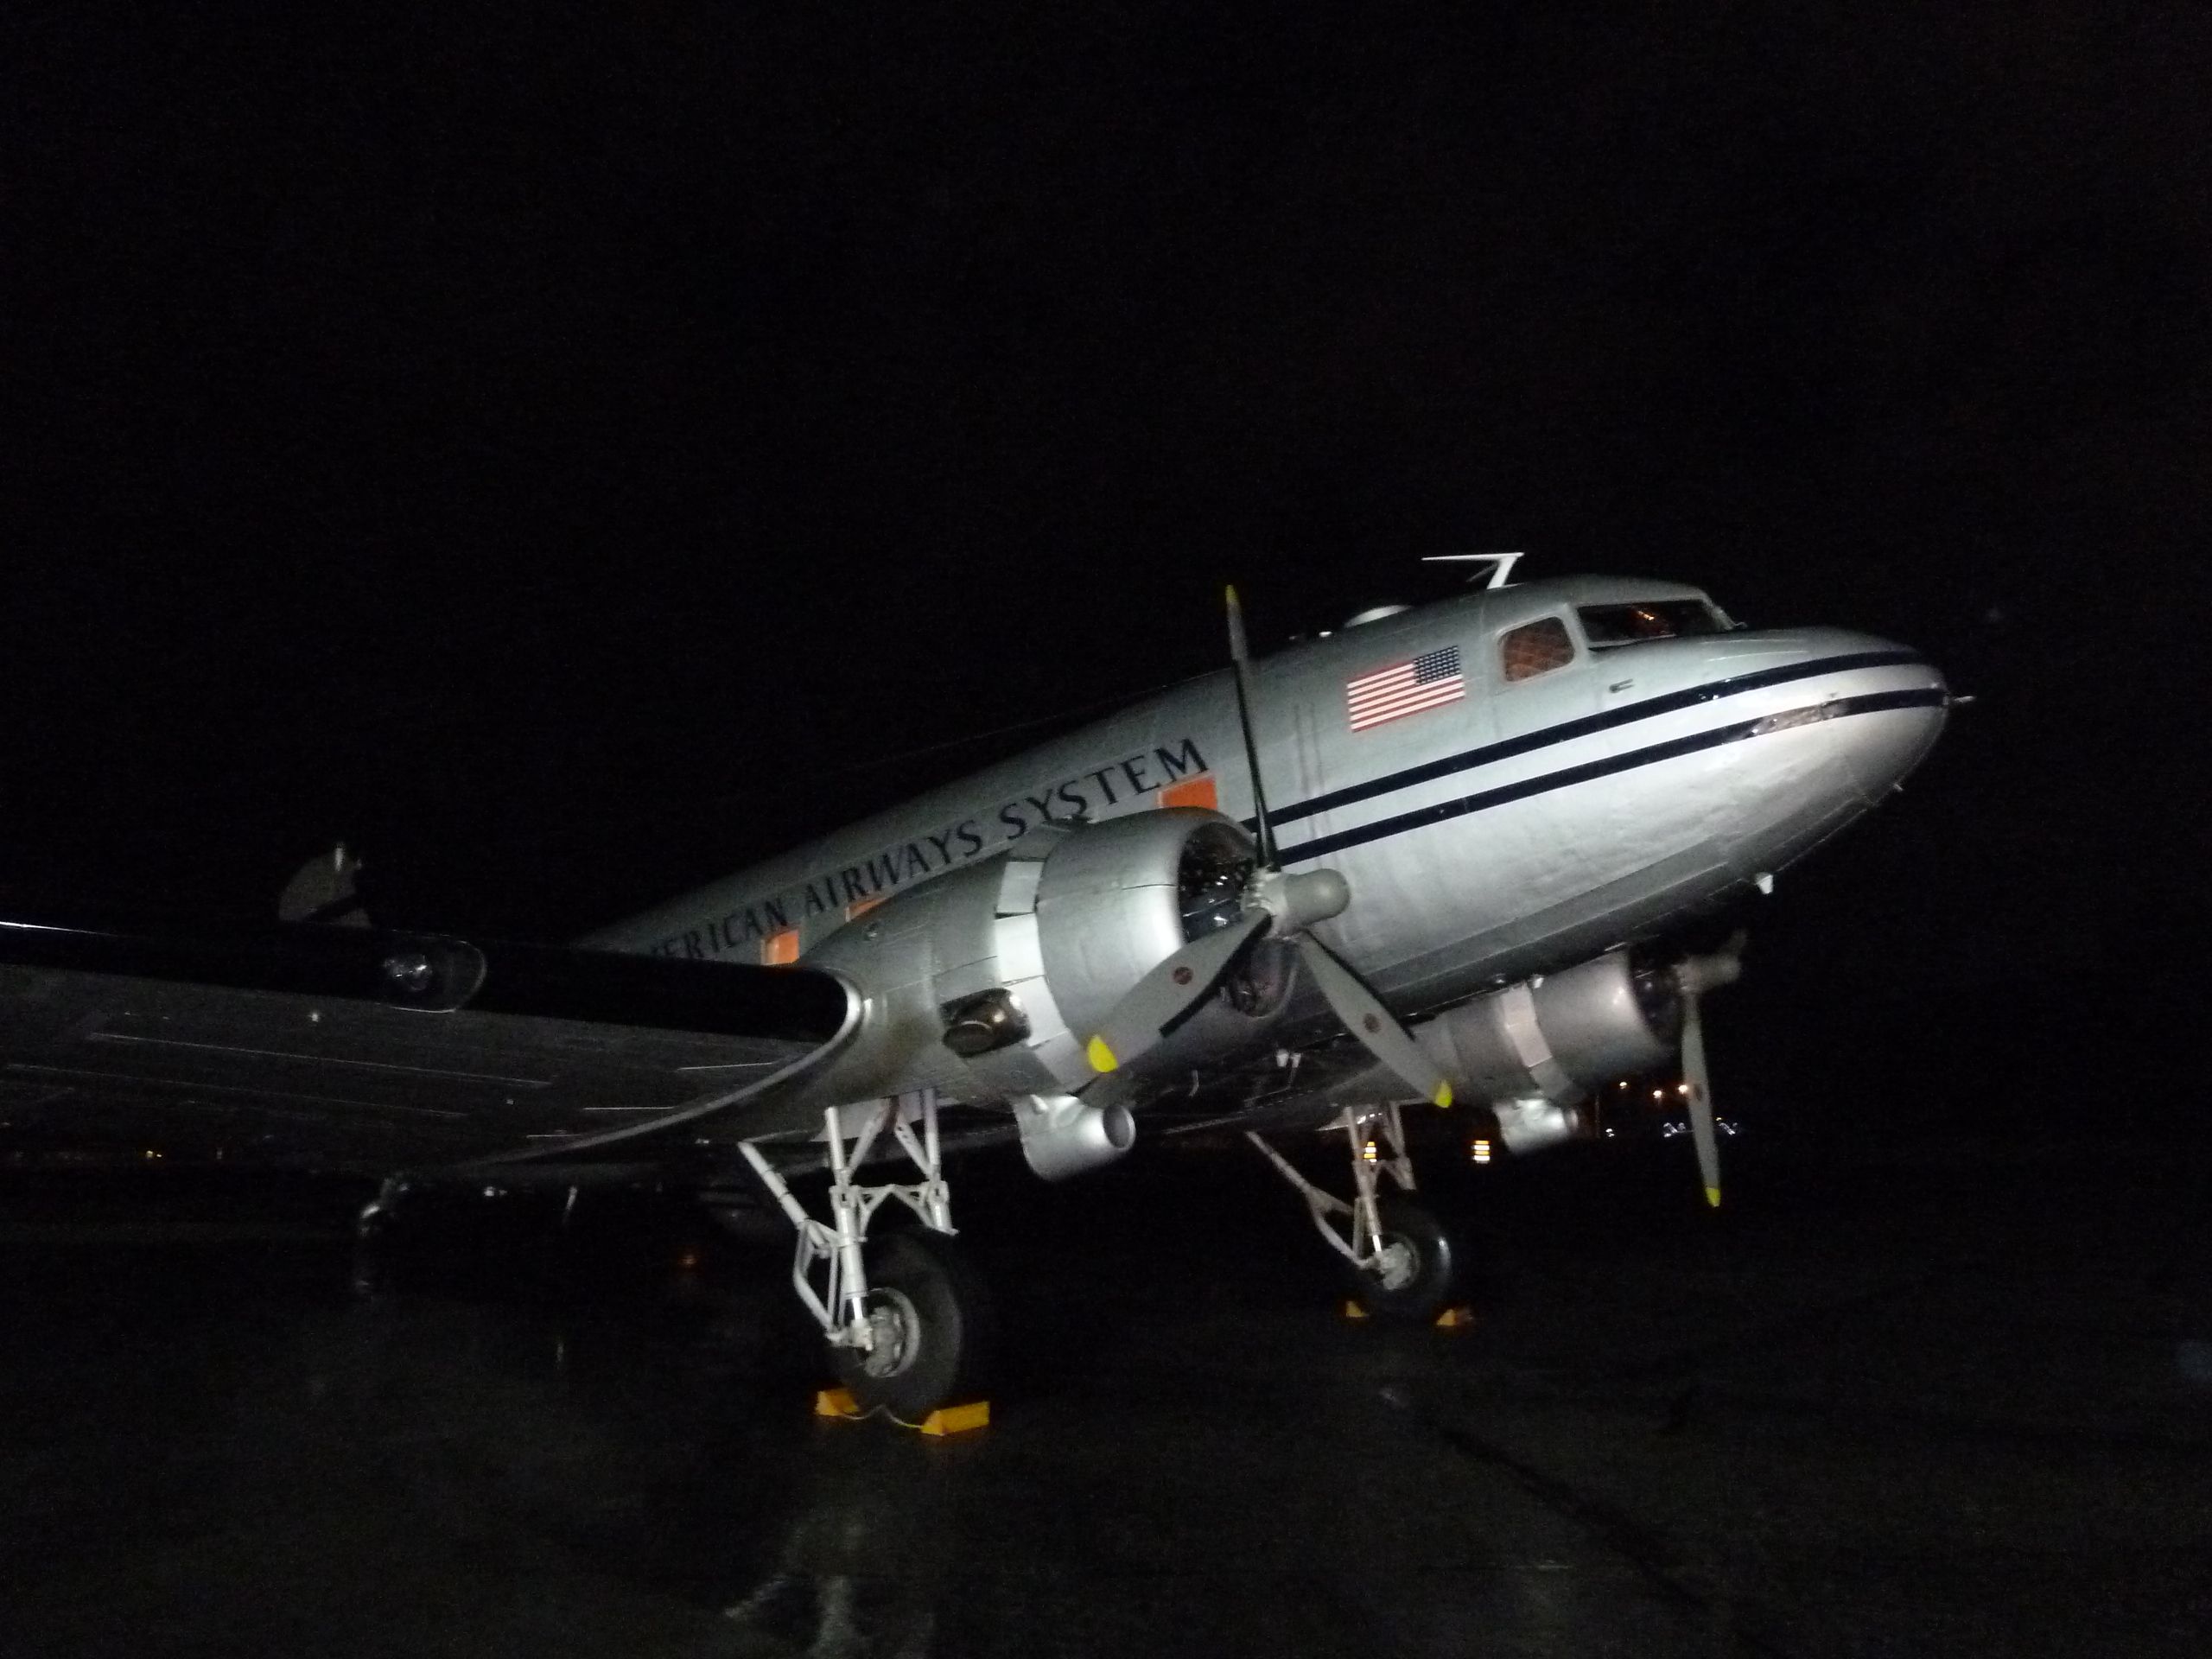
1519 827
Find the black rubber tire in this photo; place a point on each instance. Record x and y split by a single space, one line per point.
950 1328
1435 1277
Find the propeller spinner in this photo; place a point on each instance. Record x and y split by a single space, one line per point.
1275 903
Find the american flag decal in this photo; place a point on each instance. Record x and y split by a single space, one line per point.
1431 678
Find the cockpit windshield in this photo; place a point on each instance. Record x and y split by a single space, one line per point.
1657 619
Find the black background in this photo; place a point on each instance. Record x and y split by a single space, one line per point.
572 453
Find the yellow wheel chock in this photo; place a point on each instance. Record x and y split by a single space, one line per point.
945 1419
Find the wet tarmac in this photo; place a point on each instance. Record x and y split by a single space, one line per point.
1953 1401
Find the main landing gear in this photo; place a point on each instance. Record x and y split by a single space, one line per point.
1403 1264
373 1226
908 1321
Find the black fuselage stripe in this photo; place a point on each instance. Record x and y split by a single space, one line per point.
1382 829
1567 731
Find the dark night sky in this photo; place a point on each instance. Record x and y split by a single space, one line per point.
572 453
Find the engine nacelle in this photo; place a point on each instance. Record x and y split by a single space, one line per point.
1557 1037
986 981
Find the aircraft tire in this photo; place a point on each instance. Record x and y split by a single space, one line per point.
1423 1288
940 1319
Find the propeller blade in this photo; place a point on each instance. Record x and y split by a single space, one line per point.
1240 654
1701 1101
1365 1017
1164 998
1693 977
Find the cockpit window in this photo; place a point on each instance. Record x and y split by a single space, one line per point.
1656 618
1535 648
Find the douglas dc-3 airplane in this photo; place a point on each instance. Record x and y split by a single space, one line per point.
1483 822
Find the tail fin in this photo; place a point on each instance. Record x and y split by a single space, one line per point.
322 891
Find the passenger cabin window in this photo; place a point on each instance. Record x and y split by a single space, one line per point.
1605 625
1535 648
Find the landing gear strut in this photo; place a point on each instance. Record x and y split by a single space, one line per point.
1403 1264
908 1319
372 1225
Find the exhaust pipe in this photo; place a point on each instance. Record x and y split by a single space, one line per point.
1062 1137
1530 1125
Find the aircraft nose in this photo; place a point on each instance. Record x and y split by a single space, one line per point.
1834 721
1896 706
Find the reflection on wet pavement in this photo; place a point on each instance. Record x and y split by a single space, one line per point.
1967 1419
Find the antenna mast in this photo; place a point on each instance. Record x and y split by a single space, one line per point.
1501 564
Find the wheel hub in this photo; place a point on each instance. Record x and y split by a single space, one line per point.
894 1333
1395 1265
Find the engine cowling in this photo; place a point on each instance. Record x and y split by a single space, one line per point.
1558 1035
985 982
1534 1051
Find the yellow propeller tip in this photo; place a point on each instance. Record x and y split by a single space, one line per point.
1101 1057
1443 1094
1713 1197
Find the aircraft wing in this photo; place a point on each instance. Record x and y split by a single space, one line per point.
355 1046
